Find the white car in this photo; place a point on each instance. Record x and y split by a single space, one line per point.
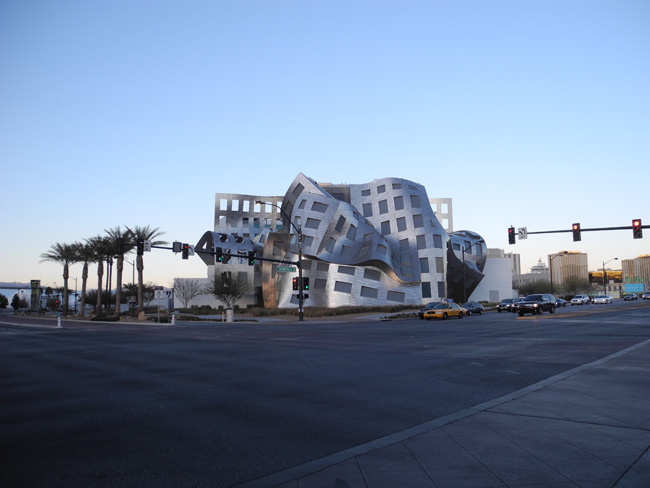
603 299
580 300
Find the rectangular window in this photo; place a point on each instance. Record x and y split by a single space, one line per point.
363 250
396 296
348 270
381 249
365 193
468 247
320 283
441 289
340 224
346 251
371 274
399 203
421 241
307 240
440 266
426 289
397 186
322 266
424 265
404 245
401 224
235 205
343 287
247 207
479 250
381 189
455 246
437 241
368 292
367 209
223 204
418 221
319 207
415 201
385 227
352 233
383 207
312 223
330 245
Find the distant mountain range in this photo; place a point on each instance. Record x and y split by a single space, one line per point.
12 285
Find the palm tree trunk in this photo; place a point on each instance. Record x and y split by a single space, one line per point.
118 285
100 276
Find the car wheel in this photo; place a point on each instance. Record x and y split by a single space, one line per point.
444 316
460 315
480 312
552 310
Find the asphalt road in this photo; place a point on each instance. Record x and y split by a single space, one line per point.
220 404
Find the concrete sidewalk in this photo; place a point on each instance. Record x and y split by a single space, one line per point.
588 427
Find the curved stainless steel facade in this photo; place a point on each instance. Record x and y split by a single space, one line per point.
377 243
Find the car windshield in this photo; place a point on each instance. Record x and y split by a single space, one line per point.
441 306
601 296
533 298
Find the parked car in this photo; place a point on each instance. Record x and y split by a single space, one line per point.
473 308
444 310
630 296
580 300
560 302
603 299
536 304
428 306
504 304
646 295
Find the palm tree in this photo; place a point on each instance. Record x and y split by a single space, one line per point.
64 254
115 234
148 234
101 248
85 255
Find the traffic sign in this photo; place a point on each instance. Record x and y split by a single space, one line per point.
523 232
285 269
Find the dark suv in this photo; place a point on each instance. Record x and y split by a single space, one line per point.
536 304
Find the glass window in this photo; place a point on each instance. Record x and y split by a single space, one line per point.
319 207
455 246
404 245
368 292
418 221
383 206
343 287
322 266
340 224
441 289
440 266
371 274
330 245
352 233
396 296
365 193
312 223
421 241
381 189
397 186
424 265
349 270
385 227
399 203
401 224
367 209
320 283
426 289
437 241
415 201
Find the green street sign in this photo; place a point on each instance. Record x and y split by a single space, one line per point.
284 269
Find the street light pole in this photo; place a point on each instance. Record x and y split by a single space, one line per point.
605 275
299 264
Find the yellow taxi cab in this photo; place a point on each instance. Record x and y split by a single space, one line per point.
444 310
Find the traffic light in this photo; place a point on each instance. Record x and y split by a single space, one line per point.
637 229
305 283
219 255
511 235
251 258
295 283
185 251
140 247
576 233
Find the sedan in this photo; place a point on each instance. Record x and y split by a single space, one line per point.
646 295
444 310
560 302
603 299
630 296
473 308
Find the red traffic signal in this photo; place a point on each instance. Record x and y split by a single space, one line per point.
637 229
511 235
295 283
576 233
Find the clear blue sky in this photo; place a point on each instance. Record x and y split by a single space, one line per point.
526 113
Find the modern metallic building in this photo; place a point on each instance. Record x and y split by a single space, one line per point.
378 243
